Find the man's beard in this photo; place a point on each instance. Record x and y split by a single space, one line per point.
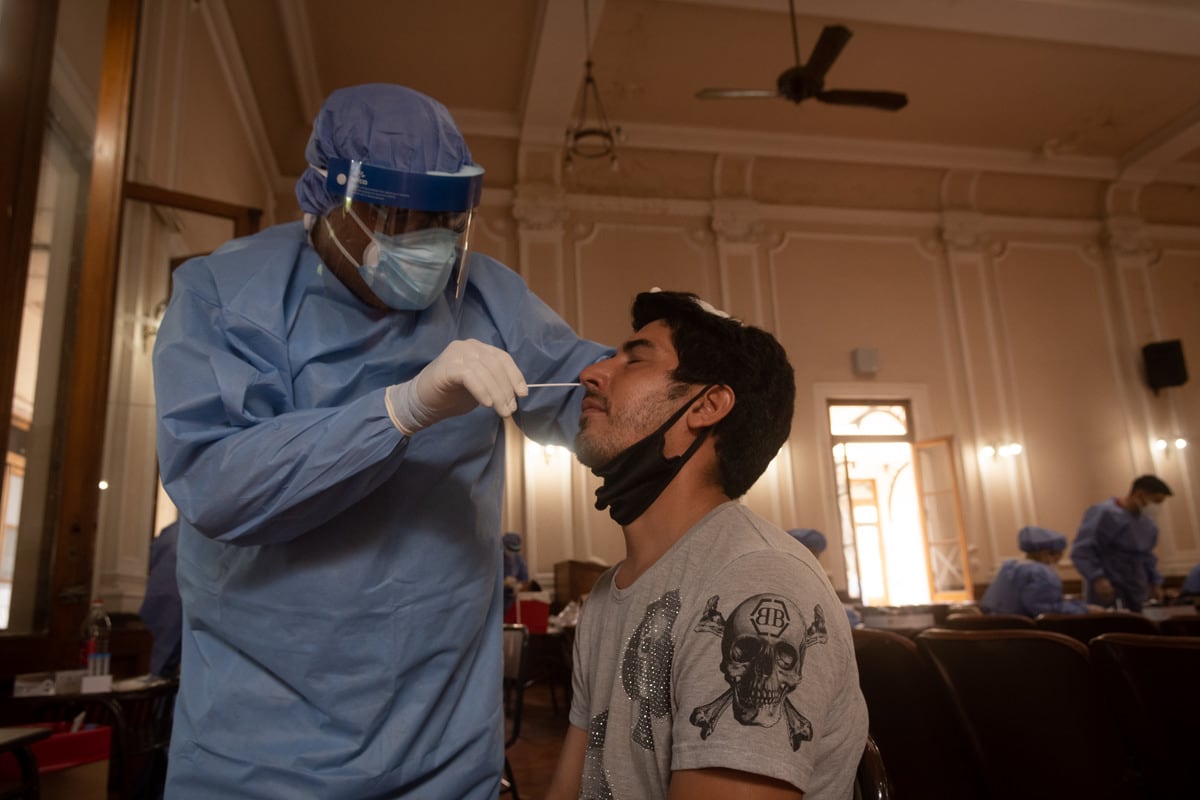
597 449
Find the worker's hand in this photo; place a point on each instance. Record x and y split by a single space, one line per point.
511 582
1156 593
467 374
1102 590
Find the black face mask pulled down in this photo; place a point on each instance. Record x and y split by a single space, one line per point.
638 474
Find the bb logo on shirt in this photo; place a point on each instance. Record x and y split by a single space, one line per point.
770 617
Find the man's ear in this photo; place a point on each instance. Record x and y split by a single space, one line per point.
712 407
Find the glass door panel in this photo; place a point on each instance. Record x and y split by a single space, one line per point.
942 521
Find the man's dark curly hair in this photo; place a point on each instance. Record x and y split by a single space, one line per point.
719 350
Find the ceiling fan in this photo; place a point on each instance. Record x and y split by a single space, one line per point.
804 81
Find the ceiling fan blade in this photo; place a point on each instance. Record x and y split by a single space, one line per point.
710 94
889 101
827 49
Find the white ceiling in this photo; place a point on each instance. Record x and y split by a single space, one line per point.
1092 88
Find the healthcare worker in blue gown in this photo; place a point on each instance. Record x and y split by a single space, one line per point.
329 400
1114 547
1031 586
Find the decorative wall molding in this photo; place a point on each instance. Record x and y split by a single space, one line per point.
241 92
538 206
1125 236
736 219
968 230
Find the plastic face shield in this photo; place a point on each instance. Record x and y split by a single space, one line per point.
399 202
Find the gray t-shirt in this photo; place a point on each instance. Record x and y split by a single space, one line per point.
731 651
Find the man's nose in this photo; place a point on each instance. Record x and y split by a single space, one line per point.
595 374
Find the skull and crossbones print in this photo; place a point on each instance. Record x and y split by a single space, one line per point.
763 644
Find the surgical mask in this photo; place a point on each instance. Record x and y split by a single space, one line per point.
406 271
638 474
1150 510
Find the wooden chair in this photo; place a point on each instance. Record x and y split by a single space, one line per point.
516 650
913 725
986 622
1184 625
1028 704
1151 684
871 778
1085 627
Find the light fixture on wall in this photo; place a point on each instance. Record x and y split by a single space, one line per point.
1001 450
1162 445
151 324
595 138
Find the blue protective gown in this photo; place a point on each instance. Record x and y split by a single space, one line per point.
514 567
161 609
1029 588
341 582
1191 584
1117 545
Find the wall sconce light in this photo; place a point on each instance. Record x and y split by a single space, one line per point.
1005 450
151 324
1162 445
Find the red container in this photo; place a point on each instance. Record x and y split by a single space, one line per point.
533 614
63 749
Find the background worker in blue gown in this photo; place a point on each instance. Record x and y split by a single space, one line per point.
516 571
1114 547
330 399
1032 586
161 609
816 543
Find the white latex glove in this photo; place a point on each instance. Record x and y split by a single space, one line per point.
467 374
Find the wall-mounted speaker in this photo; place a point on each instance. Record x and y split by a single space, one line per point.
1164 364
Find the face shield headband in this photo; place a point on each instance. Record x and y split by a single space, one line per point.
638 474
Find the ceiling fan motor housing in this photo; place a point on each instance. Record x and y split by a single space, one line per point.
796 85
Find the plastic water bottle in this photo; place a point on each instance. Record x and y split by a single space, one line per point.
94 653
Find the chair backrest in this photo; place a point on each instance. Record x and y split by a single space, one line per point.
913 725
1028 703
516 649
986 622
1085 627
1184 625
871 778
1151 684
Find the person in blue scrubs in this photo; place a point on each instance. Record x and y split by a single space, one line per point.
816 543
1114 547
1032 586
330 399
516 571
161 609
1191 584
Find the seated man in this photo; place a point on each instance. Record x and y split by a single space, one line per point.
713 661
1032 587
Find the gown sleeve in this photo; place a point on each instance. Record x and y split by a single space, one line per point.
244 465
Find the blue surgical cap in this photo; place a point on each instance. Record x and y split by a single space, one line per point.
814 540
1031 539
512 541
382 125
